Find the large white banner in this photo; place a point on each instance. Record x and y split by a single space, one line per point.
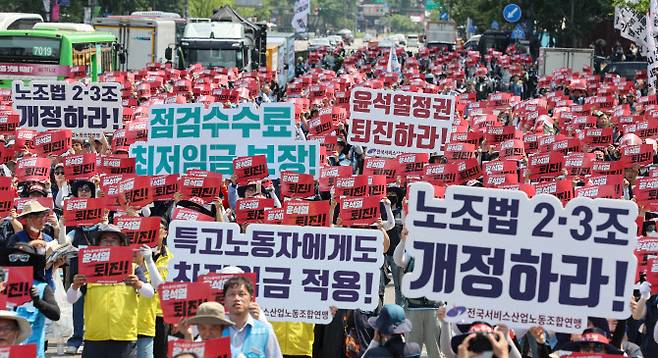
409 122
298 269
652 52
190 136
84 109
495 255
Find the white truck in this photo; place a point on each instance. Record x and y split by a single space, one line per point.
554 58
145 40
18 20
289 56
440 33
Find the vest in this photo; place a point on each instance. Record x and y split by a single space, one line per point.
162 263
110 312
254 343
36 319
295 338
150 307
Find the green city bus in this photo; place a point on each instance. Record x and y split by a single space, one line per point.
53 54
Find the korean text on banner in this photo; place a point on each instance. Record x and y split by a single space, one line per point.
319 266
85 110
189 136
107 265
499 255
209 348
411 122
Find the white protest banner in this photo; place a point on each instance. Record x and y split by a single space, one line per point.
652 51
406 121
300 19
497 256
84 109
319 267
189 136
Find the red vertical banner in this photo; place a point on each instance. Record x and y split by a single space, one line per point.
181 299
361 211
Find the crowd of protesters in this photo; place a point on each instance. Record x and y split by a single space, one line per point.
494 89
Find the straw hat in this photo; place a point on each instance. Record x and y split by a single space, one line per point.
33 207
23 324
210 313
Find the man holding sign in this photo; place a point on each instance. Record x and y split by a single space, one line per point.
110 310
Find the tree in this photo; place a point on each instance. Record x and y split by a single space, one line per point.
400 23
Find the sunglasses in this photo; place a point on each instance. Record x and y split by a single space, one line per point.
85 189
19 257
59 172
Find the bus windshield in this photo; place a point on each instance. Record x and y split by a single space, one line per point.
29 49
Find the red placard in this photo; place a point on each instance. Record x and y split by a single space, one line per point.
33 169
247 169
164 186
273 216
19 284
306 213
321 125
107 264
209 348
181 299
597 191
112 180
496 180
640 154
617 181
547 165
471 137
361 185
9 123
297 185
381 166
82 166
84 212
412 163
579 164
562 189
53 142
136 192
25 138
496 135
328 176
359 211
216 282
206 188
513 149
441 174
598 137
7 195
600 167
21 351
189 215
459 151
646 192
252 210
468 170
140 230
204 174
501 167
113 164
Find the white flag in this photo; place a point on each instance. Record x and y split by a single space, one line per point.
393 63
300 19
652 52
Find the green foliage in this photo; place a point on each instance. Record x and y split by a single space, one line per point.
204 8
640 6
401 23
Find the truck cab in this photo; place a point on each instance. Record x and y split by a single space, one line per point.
216 44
